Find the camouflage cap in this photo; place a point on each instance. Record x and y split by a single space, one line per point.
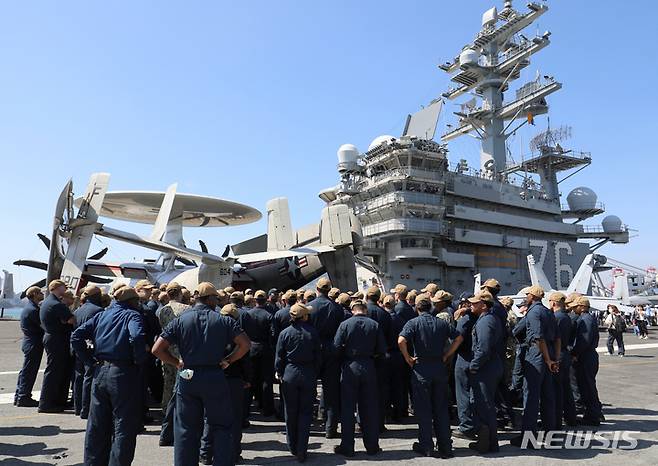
423 299
343 299
374 292
143 285
442 295
388 300
358 302
260 294
309 294
333 293
400 288
298 310
125 293
206 289
482 296
228 290
536 291
491 283
507 302
173 286
324 284
557 297
580 301
431 288
230 310
236 295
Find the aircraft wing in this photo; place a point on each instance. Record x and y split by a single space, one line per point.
157 245
271 255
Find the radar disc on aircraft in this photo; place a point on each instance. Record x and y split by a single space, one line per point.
190 210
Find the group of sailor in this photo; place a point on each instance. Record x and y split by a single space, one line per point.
208 356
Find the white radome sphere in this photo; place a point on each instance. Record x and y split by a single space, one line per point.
378 140
612 224
582 198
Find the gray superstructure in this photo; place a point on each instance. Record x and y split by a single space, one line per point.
427 220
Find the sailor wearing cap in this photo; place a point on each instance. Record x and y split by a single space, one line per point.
202 335
238 376
486 369
257 324
518 333
564 404
119 348
467 428
358 340
281 319
540 361
326 316
298 359
173 309
573 379
343 300
151 370
428 337
586 360
273 301
399 373
402 307
383 364
91 305
56 320
32 347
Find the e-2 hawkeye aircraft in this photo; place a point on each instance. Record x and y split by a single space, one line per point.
282 258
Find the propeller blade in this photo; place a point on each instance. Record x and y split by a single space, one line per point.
40 284
99 255
185 261
44 239
204 248
95 279
34 264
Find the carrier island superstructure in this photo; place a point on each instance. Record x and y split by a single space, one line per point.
428 219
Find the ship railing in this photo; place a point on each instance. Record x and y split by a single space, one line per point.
486 175
598 206
405 224
599 229
398 198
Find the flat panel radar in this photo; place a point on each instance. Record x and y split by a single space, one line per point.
190 210
422 124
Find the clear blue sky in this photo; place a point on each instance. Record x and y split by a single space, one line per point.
250 100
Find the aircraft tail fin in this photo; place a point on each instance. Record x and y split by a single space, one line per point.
8 285
280 235
82 230
621 288
583 278
537 275
341 268
164 215
336 226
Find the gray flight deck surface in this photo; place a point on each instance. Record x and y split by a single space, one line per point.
628 388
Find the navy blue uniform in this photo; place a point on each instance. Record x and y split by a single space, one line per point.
521 349
257 324
152 368
119 347
403 309
465 326
358 340
383 364
538 384
587 365
56 341
429 381
565 407
400 375
202 336
298 359
486 369
280 321
326 316
32 347
83 373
